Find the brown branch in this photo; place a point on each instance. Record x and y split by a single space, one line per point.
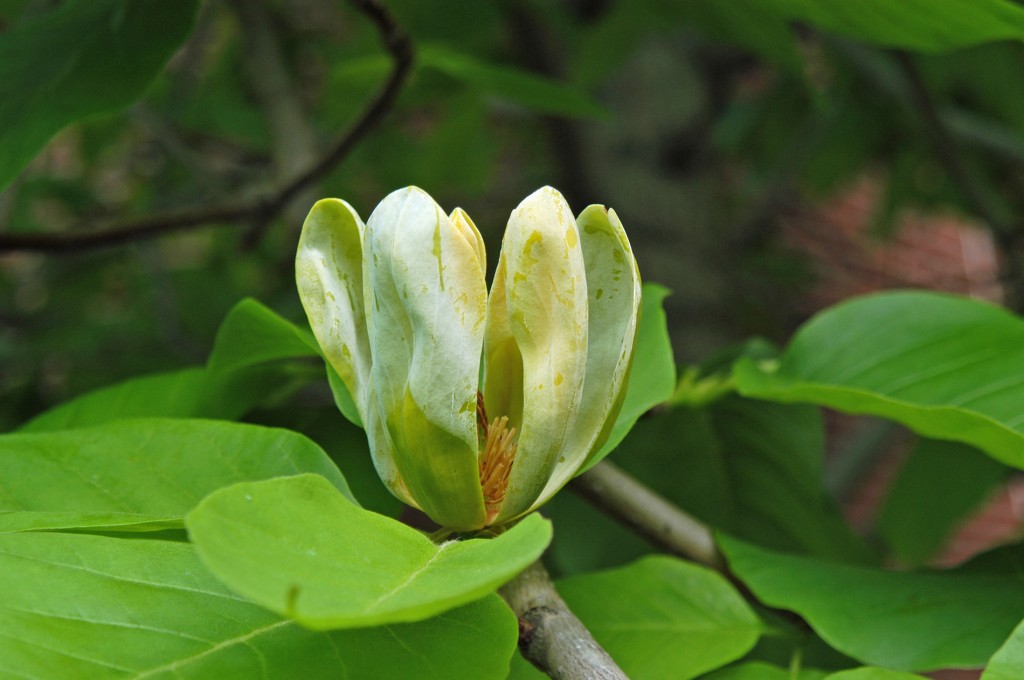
550 635
622 497
260 210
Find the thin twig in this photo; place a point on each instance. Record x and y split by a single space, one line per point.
257 211
550 635
625 499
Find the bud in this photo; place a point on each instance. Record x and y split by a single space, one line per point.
477 407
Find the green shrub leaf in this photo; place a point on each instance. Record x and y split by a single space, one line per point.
298 547
921 25
663 618
907 621
753 469
85 58
1007 663
141 475
946 367
938 487
758 670
83 606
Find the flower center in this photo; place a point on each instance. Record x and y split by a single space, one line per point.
495 463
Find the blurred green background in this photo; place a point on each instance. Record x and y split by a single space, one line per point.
705 124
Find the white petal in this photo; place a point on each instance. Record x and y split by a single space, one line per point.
613 289
536 343
426 302
329 275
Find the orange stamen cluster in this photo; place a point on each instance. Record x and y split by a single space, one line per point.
495 463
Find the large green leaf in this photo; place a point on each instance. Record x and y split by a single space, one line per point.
300 548
872 673
751 468
663 618
906 621
946 367
141 474
923 25
176 394
85 58
758 670
653 374
937 488
246 368
186 393
83 606
1007 663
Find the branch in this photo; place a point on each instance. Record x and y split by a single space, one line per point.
260 210
621 496
550 635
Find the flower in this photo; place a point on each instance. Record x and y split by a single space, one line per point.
477 407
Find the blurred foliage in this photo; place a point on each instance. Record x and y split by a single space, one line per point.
700 121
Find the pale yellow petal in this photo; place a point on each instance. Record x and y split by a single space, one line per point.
536 343
426 308
613 305
329 275
464 226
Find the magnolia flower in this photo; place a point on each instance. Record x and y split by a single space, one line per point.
477 407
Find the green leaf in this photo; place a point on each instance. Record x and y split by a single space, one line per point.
751 468
529 90
758 670
872 673
253 334
653 374
186 393
83 606
141 475
939 486
298 547
245 369
176 394
944 366
907 621
663 618
921 25
83 59
524 670
1008 661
